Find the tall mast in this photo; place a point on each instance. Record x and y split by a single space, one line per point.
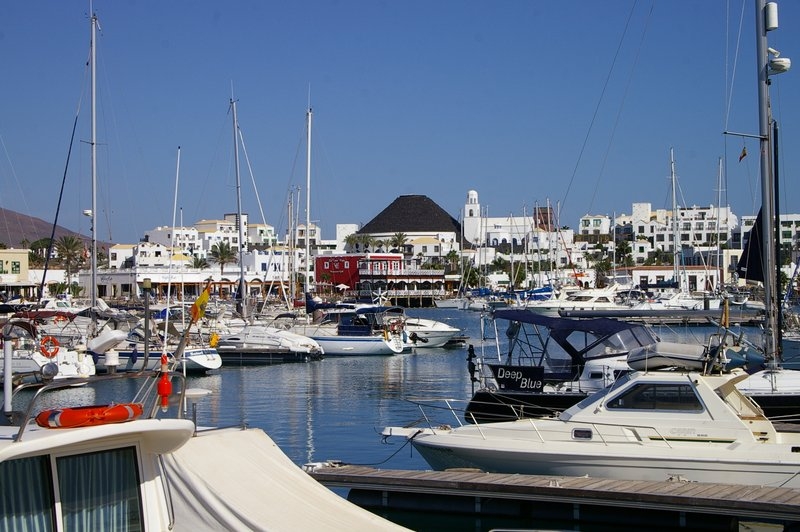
767 199
239 223
93 55
719 215
306 284
676 252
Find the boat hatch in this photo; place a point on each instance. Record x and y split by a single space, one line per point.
581 434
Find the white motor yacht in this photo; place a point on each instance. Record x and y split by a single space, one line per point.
655 426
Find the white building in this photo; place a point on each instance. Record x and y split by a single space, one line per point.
696 230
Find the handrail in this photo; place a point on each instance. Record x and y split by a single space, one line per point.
77 381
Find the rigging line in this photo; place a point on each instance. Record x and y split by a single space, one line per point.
599 101
735 63
255 191
252 176
20 194
621 105
51 244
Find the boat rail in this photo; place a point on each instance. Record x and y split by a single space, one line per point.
449 406
150 399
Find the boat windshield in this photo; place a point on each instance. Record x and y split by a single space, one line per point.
592 398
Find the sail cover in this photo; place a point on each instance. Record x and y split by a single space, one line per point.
750 265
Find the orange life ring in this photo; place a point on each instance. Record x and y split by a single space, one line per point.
49 346
85 416
60 319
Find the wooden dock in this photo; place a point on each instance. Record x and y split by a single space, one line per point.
676 503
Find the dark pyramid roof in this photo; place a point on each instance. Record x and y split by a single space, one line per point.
412 214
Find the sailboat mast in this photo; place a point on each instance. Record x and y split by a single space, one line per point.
767 199
719 215
242 284
93 47
308 201
676 253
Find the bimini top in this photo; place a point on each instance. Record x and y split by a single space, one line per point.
600 326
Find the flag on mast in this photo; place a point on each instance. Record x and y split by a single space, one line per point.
743 154
199 305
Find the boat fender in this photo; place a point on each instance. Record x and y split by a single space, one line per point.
85 416
49 346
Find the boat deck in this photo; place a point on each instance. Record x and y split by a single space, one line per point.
677 502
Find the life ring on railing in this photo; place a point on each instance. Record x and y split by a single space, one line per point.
49 346
60 319
85 416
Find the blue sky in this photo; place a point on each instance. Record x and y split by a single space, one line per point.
574 102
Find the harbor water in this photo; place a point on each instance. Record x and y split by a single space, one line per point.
335 408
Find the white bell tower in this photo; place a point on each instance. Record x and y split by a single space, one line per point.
472 219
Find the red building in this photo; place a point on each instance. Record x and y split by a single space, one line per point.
368 275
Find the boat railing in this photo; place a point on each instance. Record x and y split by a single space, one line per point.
150 400
448 406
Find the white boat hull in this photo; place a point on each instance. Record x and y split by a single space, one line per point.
565 458
429 333
359 345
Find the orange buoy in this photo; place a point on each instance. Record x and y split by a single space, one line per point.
49 346
60 318
86 416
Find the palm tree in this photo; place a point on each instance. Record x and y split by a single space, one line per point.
222 254
623 252
452 259
199 262
366 241
70 252
398 241
351 242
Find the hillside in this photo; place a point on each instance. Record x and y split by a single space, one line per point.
16 228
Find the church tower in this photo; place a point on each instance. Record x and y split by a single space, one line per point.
472 219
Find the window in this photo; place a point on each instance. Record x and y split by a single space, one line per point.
596 222
39 488
15 267
101 489
652 396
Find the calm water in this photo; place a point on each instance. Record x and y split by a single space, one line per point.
336 408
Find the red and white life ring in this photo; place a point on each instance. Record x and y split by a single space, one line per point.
85 416
49 346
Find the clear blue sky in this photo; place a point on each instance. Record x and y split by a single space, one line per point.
515 99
